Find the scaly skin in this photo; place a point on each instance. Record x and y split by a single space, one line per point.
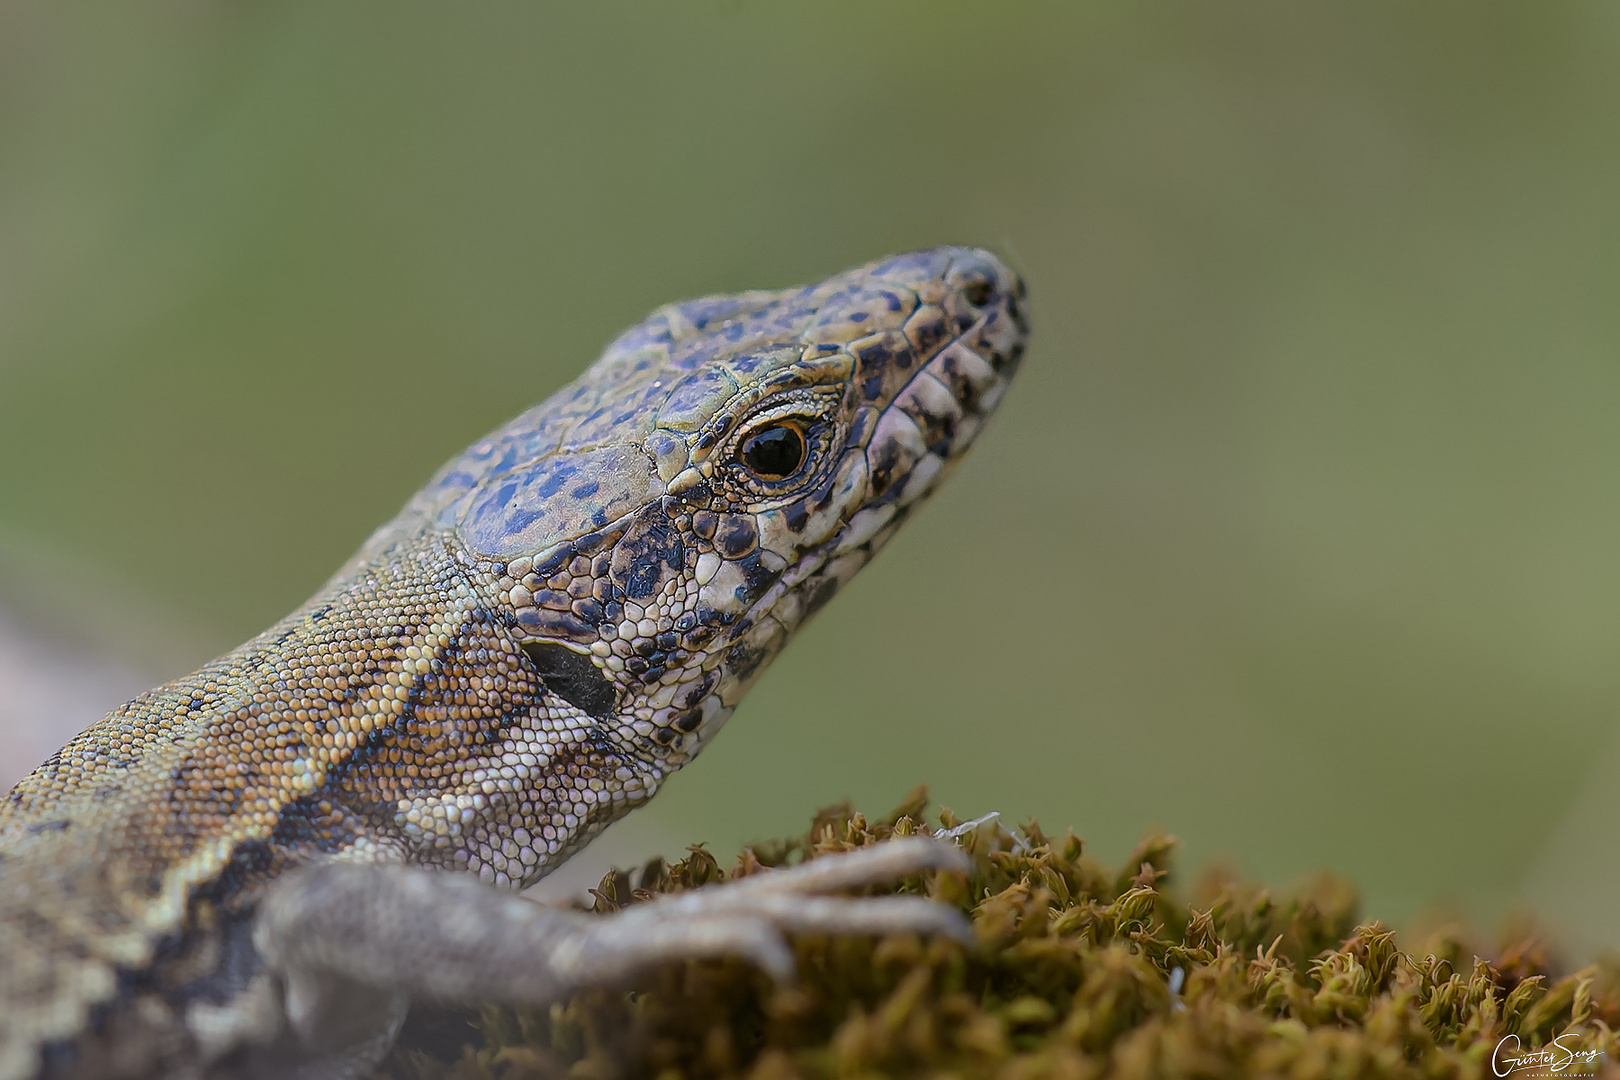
562 618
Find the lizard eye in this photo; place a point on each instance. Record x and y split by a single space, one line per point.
775 452
778 452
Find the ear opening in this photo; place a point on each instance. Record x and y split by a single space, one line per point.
572 677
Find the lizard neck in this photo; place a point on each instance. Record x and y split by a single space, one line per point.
392 718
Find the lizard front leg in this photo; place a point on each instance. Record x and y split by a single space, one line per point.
334 929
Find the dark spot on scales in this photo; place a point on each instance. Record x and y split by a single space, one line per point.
555 563
817 595
572 677
642 580
695 695
556 624
757 577
743 661
639 558
559 475
736 536
884 460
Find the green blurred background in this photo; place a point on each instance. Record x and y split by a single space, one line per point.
1297 534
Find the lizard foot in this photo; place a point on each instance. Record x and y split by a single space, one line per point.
411 932
746 917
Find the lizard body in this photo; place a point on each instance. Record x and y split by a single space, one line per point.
561 618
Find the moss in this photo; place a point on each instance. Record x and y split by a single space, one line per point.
1072 978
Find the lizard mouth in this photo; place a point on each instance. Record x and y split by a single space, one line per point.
969 345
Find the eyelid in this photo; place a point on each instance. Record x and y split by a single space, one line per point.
801 424
817 414
788 411
813 404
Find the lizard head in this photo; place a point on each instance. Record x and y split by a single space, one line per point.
659 528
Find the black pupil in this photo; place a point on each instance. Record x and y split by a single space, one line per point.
775 453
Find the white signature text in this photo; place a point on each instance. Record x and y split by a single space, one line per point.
1555 1057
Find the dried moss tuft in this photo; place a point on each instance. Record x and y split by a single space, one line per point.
1072 979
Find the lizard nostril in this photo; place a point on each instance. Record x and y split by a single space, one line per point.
978 293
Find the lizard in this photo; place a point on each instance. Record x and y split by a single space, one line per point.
250 871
